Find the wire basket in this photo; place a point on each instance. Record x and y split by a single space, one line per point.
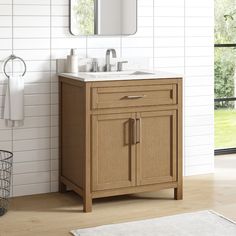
5 180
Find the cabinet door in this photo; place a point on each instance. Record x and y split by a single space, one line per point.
156 147
113 152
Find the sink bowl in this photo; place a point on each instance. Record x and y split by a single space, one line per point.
118 73
142 73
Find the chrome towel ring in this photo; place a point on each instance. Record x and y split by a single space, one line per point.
13 57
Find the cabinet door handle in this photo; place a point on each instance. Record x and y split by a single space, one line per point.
135 96
133 131
138 130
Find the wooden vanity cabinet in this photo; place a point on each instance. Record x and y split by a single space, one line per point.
120 137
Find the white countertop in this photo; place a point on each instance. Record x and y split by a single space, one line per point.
114 76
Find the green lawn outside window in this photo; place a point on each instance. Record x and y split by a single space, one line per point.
225 128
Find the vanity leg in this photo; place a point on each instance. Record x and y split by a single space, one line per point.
87 204
178 193
62 187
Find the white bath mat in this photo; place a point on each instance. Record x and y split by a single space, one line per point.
204 223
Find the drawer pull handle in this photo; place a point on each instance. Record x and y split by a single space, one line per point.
135 96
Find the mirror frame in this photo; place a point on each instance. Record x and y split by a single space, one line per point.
100 35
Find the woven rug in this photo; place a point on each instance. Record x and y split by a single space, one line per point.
203 223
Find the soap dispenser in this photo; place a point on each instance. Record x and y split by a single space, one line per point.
72 61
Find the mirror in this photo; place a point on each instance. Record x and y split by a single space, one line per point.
103 17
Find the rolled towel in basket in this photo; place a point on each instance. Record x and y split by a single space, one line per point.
14 102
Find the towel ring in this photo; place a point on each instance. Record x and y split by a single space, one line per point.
13 57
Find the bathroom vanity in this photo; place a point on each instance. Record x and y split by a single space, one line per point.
120 134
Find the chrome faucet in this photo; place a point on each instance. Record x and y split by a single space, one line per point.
108 58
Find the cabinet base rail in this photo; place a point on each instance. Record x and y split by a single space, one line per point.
67 184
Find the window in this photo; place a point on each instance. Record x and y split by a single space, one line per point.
225 76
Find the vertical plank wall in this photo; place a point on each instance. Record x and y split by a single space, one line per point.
176 35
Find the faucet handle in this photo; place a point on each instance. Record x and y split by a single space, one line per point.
120 65
94 65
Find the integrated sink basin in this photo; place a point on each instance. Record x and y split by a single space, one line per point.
118 73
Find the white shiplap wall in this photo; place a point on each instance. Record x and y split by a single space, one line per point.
176 35
199 86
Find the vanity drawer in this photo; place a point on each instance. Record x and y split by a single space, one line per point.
129 96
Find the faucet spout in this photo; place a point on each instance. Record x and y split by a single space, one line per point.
108 58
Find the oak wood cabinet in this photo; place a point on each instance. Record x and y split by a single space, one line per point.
120 137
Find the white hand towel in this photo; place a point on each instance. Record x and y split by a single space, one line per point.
14 102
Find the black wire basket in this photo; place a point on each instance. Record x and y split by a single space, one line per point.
5 180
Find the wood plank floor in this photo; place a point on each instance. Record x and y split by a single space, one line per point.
56 214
